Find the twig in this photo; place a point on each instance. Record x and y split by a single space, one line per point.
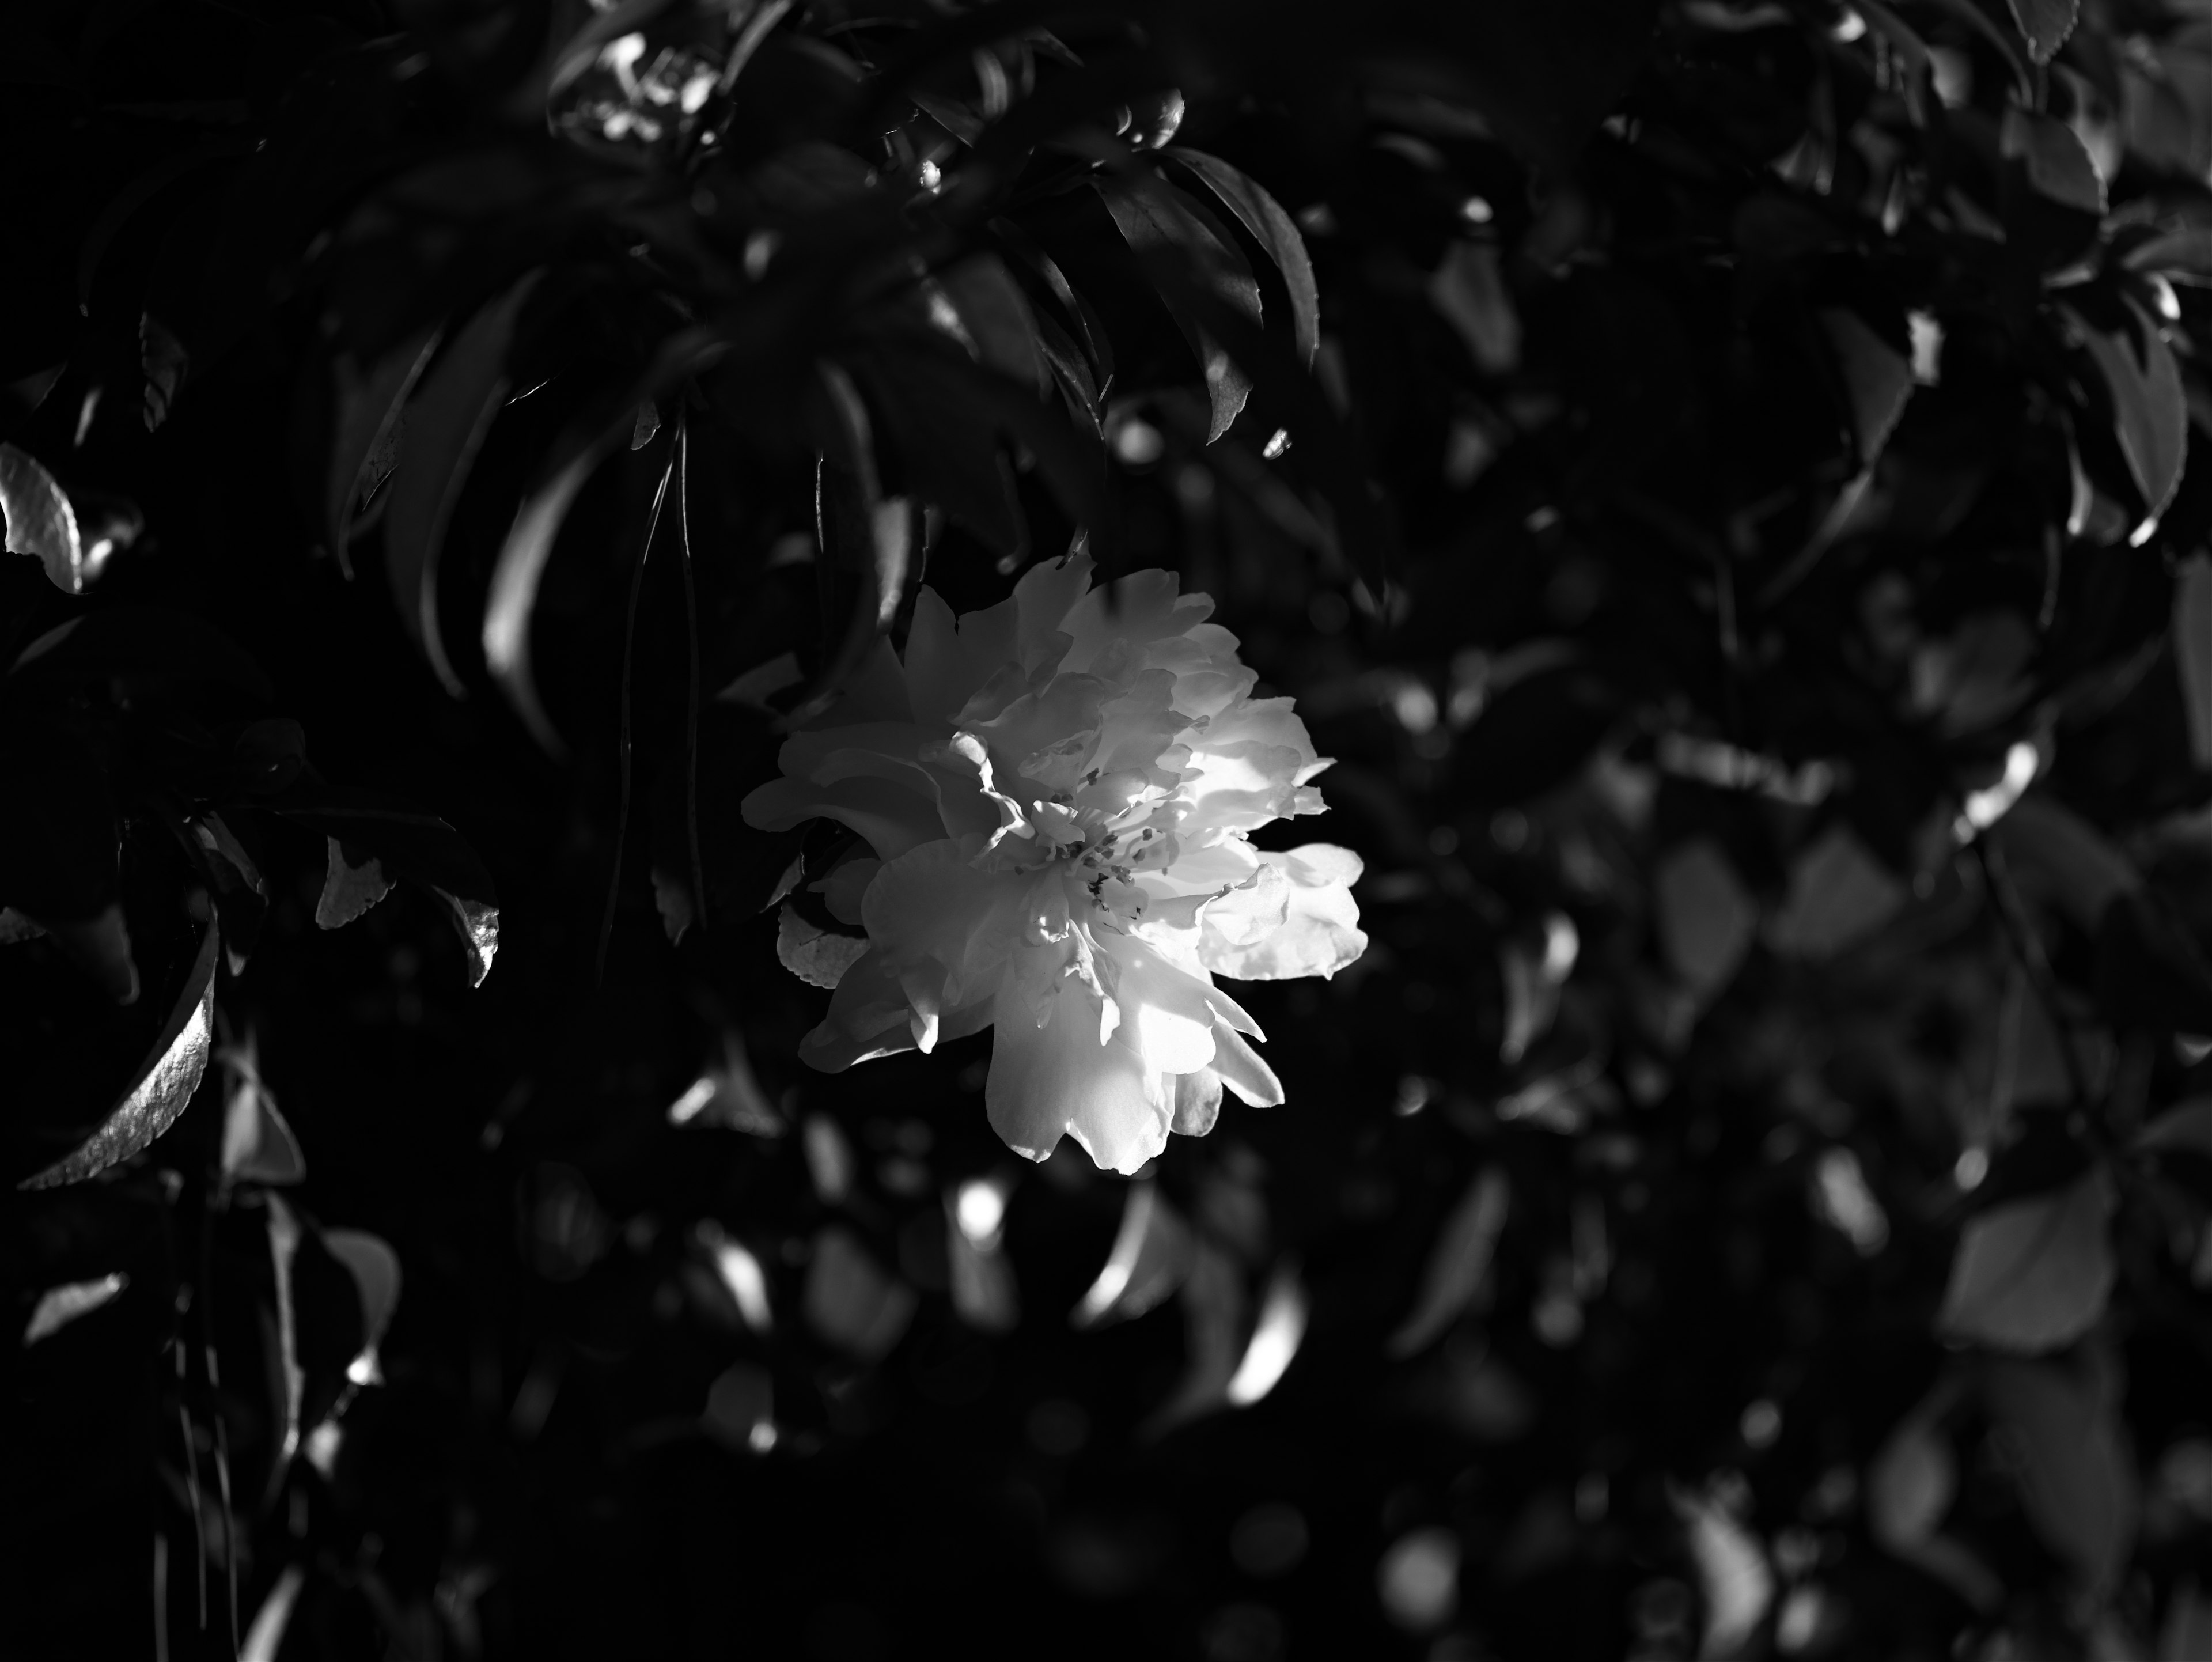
691 705
629 647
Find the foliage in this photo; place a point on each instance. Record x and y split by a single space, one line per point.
1718 477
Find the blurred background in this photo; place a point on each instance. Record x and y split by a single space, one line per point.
1718 477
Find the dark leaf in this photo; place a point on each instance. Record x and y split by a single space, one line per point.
368 402
2077 1474
166 363
2057 162
349 888
2150 413
1459 1262
446 420
1159 222
133 643
1877 380
869 544
1273 230
409 842
994 319
2034 1274
2044 24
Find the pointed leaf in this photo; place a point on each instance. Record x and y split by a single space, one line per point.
1151 1257
477 924
1877 380
2032 1273
2044 24
165 1084
2077 1476
2150 413
2188 1126
2056 161
368 400
375 1270
1273 230
521 566
1706 918
2192 653
1155 219
1458 1263
58 1307
992 318
447 422
349 890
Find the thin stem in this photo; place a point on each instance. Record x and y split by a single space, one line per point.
629 648
2027 947
691 707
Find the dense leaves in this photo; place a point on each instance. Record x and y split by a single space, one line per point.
1724 480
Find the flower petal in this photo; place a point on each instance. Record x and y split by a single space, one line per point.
1243 1071
891 817
1051 1078
1319 934
867 1018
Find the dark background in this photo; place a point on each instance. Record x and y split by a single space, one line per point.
1750 1198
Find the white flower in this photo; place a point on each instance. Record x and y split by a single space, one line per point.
1058 792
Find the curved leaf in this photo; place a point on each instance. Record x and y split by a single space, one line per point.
2033 1274
2044 24
166 1081
445 423
2077 1476
2150 413
349 890
130 642
1273 230
367 424
375 1269
40 521
1457 1263
521 568
1155 219
868 541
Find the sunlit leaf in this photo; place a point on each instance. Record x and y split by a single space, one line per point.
166 1079
57 1307
1151 1257
265 1639
41 522
375 1270
257 1144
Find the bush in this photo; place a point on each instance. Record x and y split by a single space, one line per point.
1716 477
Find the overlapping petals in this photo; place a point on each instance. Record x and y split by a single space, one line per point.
1058 793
